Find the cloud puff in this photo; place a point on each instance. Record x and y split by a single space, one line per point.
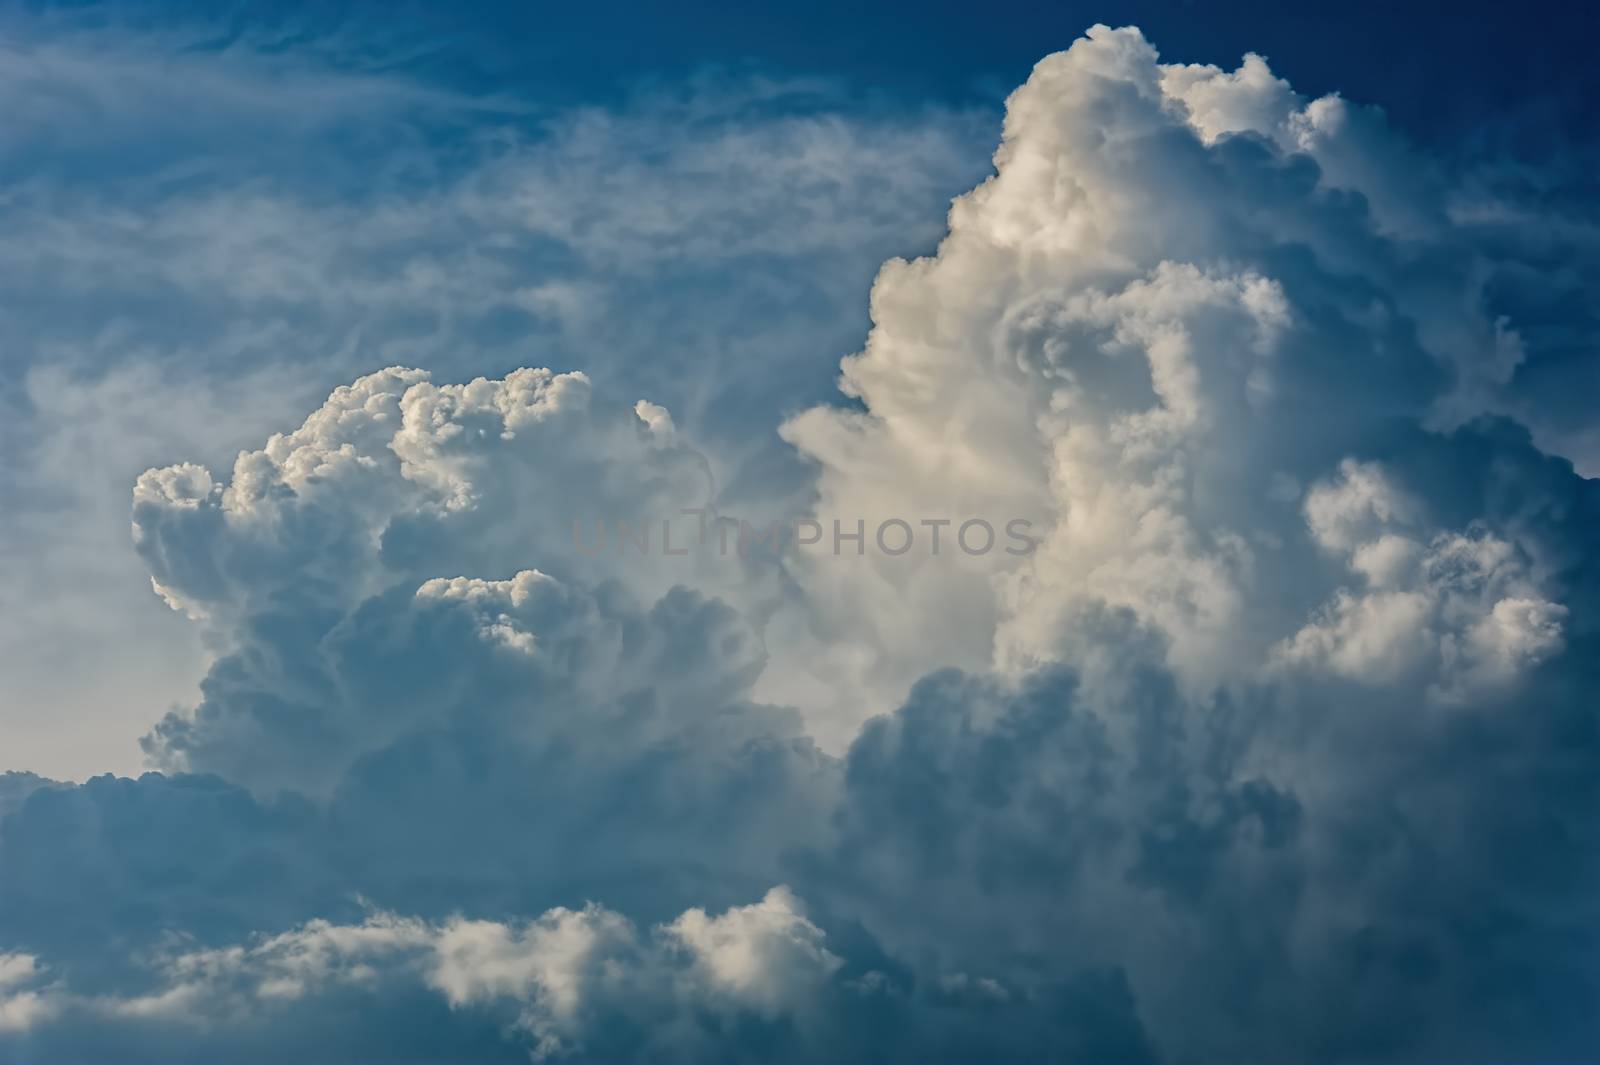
376 477
15 787
316 567
21 1007
564 979
1461 609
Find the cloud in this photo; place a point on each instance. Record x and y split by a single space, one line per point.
331 537
428 743
15 787
196 215
175 102
1280 746
766 957
568 985
20 1007
1467 598
563 978
1331 866
1187 298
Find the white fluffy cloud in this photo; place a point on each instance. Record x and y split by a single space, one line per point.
21 1005
1187 298
562 977
351 533
1461 611
527 457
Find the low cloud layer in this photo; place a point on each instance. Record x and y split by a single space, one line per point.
584 980
1280 747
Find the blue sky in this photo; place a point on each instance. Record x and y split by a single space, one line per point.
1261 340
1416 62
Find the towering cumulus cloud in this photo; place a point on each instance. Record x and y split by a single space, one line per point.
1202 334
1280 746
